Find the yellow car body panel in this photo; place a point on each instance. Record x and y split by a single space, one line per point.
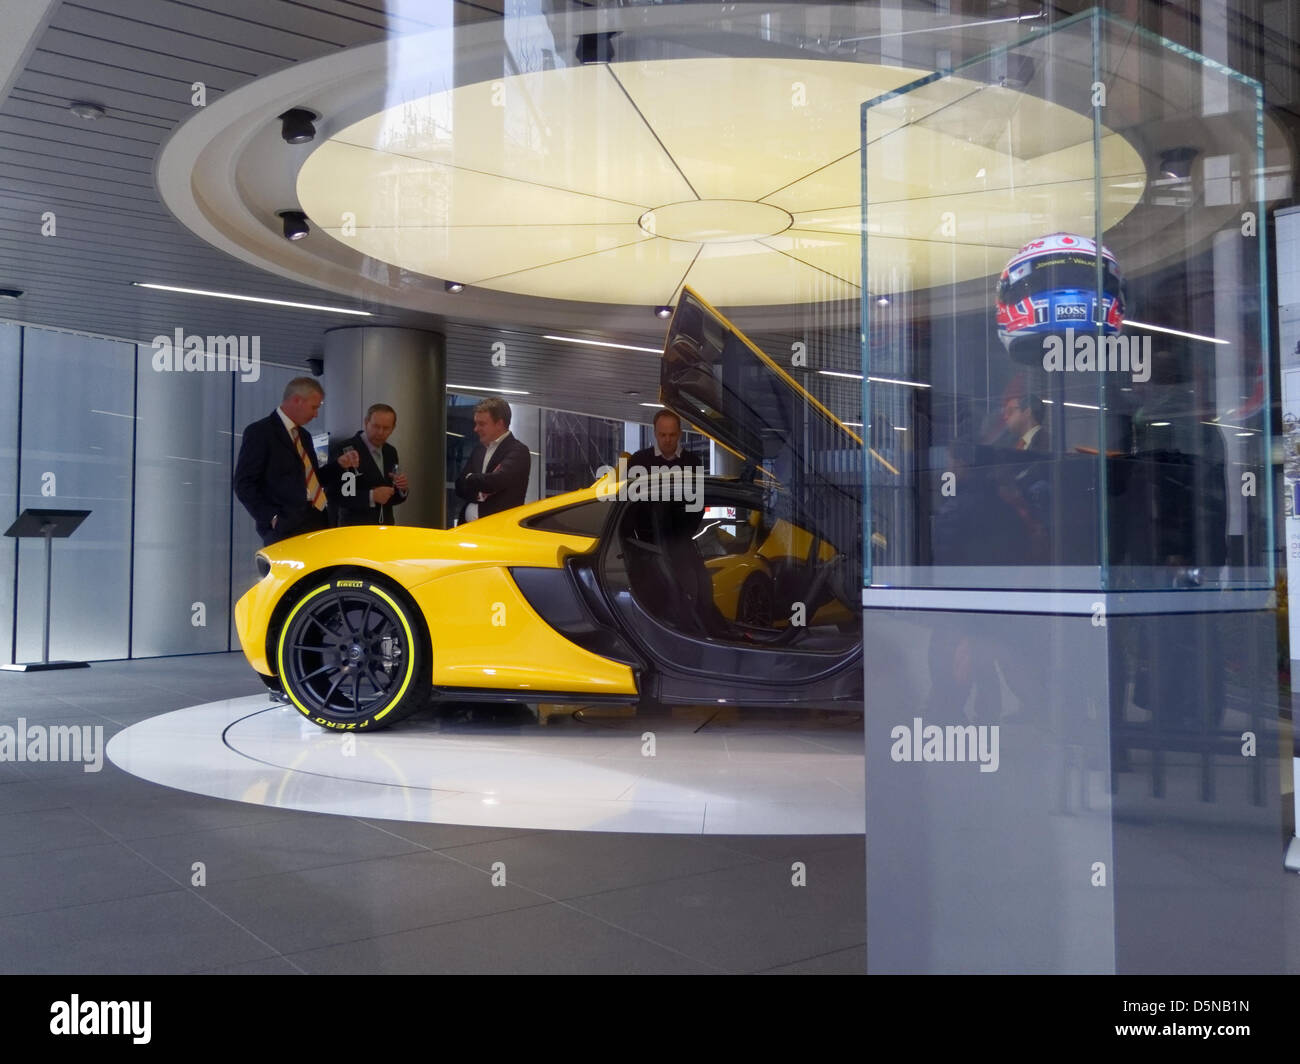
489 636
482 630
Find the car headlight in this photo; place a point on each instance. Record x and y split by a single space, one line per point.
263 566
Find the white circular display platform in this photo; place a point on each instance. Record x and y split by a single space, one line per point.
694 771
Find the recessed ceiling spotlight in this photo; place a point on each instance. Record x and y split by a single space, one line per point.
453 286
882 301
87 111
595 47
297 125
663 312
295 224
11 293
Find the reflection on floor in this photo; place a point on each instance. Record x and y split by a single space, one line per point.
105 872
712 770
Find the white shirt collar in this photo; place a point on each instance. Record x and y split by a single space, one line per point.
287 421
670 457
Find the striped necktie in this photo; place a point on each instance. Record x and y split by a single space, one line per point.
315 494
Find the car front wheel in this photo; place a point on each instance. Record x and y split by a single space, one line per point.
351 655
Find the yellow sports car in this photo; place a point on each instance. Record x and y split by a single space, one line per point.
600 595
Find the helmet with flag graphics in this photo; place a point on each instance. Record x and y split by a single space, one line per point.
1050 285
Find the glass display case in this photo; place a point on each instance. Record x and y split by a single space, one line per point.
1065 326
1068 419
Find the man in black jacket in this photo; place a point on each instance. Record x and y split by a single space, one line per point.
277 477
496 476
369 497
667 449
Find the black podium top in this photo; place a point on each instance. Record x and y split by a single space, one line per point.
59 524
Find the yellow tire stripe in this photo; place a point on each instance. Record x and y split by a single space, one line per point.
284 634
410 656
288 623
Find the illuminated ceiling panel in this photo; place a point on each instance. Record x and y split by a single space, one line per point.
574 128
741 177
475 254
647 272
730 272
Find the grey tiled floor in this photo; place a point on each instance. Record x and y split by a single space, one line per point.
98 873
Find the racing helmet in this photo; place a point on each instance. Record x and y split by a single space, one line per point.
1050 285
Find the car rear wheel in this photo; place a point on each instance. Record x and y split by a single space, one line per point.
352 655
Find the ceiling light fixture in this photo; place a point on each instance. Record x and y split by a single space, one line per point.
604 343
297 125
663 312
882 301
1174 332
652 406
453 286
877 380
251 299
87 111
475 390
11 293
595 48
295 224
894 380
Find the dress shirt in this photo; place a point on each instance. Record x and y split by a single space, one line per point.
1028 438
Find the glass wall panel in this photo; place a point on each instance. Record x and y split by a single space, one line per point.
10 346
576 446
78 424
181 599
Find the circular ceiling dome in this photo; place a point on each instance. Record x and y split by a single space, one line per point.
621 182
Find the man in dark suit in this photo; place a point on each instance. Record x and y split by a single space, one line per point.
277 477
496 476
667 449
1025 424
675 584
369 497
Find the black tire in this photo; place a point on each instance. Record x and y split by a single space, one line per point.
756 604
352 655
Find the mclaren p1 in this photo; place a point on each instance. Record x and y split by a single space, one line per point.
746 595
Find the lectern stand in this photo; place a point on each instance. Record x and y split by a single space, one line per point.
49 525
